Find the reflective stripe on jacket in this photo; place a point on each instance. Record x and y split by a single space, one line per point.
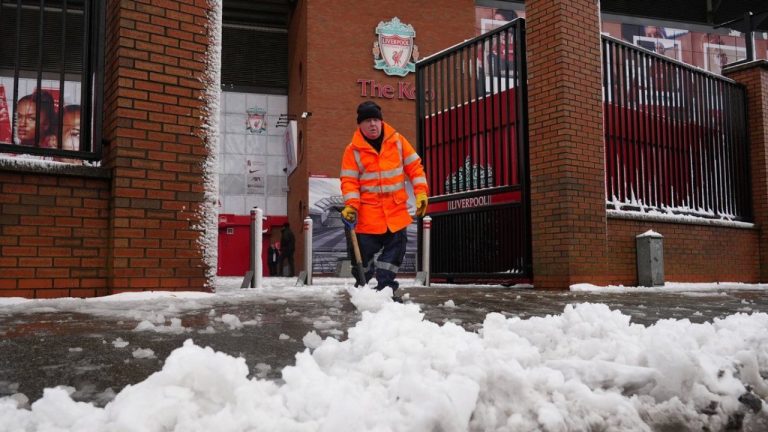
374 183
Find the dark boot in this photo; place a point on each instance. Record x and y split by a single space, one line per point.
391 283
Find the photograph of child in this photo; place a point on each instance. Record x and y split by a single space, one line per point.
27 121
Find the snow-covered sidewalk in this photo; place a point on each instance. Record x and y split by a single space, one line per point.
587 366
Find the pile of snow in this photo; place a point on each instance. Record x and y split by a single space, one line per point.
142 353
588 368
120 343
366 299
174 327
232 321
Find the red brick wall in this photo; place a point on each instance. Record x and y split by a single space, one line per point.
137 227
340 39
754 77
566 142
297 103
334 45
155 58
53 235
692 253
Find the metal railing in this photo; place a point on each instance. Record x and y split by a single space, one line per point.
675 136
470 106
51 63
473 139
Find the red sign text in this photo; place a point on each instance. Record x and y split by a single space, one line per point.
371 88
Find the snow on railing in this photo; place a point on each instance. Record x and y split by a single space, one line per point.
675 137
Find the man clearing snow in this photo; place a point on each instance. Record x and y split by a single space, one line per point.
373 172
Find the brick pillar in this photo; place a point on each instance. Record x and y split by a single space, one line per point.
155 60
754 76
567 166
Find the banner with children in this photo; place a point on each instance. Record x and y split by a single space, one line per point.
56 126
5 118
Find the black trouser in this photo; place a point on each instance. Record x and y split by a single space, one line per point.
392 247
280 266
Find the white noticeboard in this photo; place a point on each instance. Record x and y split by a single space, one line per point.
255 175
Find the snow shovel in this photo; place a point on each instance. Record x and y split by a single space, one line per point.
360 273
349 231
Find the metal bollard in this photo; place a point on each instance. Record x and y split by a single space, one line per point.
257 222
426 230
650 259
308 249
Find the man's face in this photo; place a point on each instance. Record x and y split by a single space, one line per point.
654 32
25 122
71 131
371 128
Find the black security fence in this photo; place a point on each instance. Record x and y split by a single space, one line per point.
51 62
487 243
675 136
472 136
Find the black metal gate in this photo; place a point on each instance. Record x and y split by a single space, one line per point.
473 137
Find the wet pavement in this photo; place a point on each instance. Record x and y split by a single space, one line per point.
42 348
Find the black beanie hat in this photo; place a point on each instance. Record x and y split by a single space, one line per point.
368 110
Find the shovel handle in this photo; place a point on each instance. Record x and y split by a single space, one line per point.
355 246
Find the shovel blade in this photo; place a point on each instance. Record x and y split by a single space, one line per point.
358 271
359 275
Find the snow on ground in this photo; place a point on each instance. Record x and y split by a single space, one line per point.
588 368
672 287
159 310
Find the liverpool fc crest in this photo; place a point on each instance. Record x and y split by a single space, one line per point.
394 52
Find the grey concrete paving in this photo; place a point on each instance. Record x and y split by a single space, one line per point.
45 349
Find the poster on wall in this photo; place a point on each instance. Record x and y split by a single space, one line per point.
662 40
329 244
5 118
27 127
666 47
497 57
707 50
26 133
716 56
256 173
488 18
689 45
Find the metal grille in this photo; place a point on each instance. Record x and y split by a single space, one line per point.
675 136
483 244
469 111
254 60
51 61
472 134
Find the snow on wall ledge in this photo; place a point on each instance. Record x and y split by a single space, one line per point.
680 213
37 164
211 95
655 216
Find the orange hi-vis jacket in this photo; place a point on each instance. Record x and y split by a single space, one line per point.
374 183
